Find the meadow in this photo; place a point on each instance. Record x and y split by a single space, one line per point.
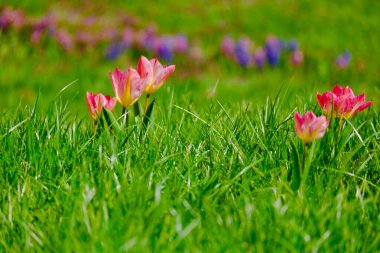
214 170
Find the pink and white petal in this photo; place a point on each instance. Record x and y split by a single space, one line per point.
364 106
111 103
144 67
164 75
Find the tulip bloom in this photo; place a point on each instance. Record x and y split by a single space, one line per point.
309 127
96 103
342 102
154 73
128 86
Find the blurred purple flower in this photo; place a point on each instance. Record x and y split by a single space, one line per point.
296 58
147 38
342 61
163 49
292 45
10 17
259 58
85 38
273 48
242 53
228 46
128 37
35 37
114 50
64 39
47 23
180 43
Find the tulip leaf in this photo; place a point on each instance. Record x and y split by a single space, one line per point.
295 169
148 115
344 136
309 159
110 120
136 109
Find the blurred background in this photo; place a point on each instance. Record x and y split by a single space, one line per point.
233 50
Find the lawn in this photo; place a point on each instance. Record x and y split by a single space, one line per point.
215 168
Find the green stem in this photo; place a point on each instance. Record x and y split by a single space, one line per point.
146 103
95 126
136 109
305 148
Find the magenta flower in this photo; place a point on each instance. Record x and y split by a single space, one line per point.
11 17
154 73
296 58
180 43
228 47
96 103
128 86
309 127
342 102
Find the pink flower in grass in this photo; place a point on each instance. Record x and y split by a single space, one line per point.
309 127
342 102
128 86
96 103
154 73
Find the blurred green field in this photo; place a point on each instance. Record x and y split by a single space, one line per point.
211 173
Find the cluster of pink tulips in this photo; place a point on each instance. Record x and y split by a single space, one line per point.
340 103
129 86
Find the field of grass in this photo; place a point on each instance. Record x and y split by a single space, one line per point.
212 172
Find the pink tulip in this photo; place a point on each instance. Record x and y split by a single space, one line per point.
128 86
342 102
309 127
154 73
96 103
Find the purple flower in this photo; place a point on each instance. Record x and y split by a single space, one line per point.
180 43
42 25
147 38
342 61
273 48
114 50
260 58
64 39
242 53
292 45
10 17
164 49
228 46
128 36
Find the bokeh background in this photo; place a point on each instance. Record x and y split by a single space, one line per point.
233 51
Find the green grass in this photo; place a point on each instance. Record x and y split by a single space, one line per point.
216 180
211 174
